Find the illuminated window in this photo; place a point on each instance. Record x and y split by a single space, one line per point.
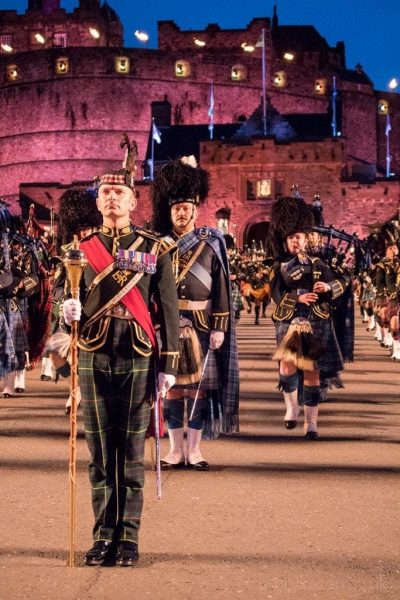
60 40
6 44
122 64
320 86
37 38
238 73
182 68
279 79
264 188
12 73
383 107
62 66
289 57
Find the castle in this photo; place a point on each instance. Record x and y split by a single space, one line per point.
69 88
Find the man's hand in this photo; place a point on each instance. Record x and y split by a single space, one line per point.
165 383
72 310
320 287
216 339
308 298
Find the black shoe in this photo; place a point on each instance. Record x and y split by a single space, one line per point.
257 322
19 390
67 410
200 466
290 424
166 466
6 395
45 378
127 554
311 435
98 553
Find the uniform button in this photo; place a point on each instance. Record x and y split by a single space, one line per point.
183 287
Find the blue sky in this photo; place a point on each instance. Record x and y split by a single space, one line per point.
369 28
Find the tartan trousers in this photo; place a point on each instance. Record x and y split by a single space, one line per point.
116 386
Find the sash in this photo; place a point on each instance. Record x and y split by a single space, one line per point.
103 263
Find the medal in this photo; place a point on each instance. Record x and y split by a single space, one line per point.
138 262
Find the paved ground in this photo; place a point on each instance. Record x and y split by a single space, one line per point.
277 517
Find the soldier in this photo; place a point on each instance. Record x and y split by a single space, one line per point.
127 267
302 287
21 263
208 353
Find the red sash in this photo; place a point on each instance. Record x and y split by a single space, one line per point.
99 259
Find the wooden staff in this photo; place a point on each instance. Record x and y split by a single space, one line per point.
74 261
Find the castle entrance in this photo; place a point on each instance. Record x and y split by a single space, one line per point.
256 233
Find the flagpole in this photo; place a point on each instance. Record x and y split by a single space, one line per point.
264 83
211 112
334 94
152 150
387 131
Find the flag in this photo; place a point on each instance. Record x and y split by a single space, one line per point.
388 125
260 42
156 134
211 105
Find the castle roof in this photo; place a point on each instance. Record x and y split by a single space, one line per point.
298 37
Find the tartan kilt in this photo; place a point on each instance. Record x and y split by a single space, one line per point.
393 309
7 352
211 378
237 303
17 331
331 360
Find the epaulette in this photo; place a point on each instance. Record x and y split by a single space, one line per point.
147 233
167 245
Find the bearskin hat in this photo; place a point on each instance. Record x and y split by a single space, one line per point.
77 211
389 235
180 180
288 216
126 175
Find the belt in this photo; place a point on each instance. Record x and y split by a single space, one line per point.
120 312
194 304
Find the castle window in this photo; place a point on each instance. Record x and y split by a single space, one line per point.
6 44
60 40
182 68
279 79
122 64
12 73
62 66
383 107
37 38
320 86
238 73
264 188
289 57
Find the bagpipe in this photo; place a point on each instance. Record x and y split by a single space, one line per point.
342 248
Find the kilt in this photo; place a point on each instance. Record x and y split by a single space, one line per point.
392 309
116 386
331 359
237 303
7 353
12 311
211 373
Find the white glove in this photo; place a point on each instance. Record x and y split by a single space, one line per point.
165 383
216 339
72 310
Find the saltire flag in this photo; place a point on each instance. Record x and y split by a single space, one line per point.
156 134
260 42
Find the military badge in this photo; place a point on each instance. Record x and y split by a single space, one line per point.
139 262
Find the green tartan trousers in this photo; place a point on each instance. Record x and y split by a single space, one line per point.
116 386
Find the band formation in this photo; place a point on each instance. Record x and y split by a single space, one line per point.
157 312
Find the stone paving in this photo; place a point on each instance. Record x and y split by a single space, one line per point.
276 517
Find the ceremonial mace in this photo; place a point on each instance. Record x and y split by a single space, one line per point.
74 261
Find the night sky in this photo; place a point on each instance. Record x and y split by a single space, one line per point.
370 29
